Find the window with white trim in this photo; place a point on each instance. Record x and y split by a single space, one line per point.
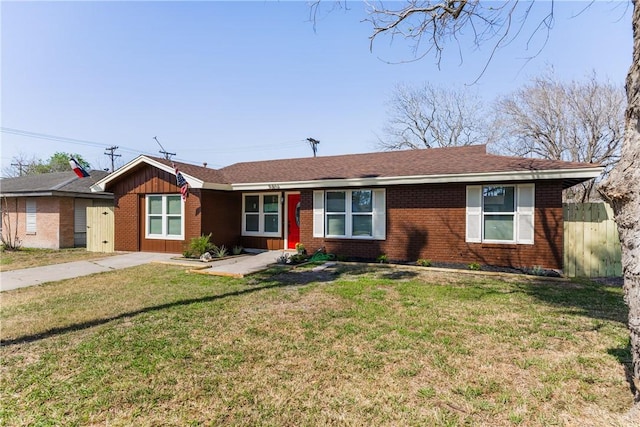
351 214
261 215
500 213
165 218
30 210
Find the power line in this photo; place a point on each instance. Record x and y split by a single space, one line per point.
314 145
167 155
112 155
19 165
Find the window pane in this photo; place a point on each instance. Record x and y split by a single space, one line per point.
361 201
271 203
335 225
498 199
271 223
253 223
498 227
174 205
155 205
336 201
174 225
252 203
362 225
155 225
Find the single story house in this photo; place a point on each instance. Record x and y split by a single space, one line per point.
48 210
456 204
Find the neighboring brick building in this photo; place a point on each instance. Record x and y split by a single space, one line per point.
48 210
445 204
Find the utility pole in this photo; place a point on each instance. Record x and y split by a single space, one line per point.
112 155
167 155
314 145
19 165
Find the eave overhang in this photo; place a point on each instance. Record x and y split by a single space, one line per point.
570 175
74 194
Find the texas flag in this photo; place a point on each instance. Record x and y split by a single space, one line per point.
79 170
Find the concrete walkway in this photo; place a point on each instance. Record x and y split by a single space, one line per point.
243 265
49 273
234 267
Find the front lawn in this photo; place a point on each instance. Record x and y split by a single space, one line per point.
154 345
30 257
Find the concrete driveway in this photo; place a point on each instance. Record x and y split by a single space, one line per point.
38 275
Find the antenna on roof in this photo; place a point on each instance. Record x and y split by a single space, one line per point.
167 155
314 145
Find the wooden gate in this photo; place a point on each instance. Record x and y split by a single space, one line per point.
591 242
100 227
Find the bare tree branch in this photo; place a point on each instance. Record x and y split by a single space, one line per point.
579 121
429 116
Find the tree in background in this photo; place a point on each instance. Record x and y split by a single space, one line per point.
428 116
577 121
433 24
59 162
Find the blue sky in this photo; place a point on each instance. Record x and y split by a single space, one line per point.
225 82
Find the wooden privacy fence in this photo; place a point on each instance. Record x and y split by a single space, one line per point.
100 227
591 242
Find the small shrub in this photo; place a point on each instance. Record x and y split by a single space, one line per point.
220 252
237 250
187 253
297 258
200 245
474 266
382 259
424 262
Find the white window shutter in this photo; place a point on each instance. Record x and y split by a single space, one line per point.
318 214
526 207
379 214
474 213
31 216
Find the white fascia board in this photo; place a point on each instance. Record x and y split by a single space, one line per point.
100 185
216 186
28 194
425 179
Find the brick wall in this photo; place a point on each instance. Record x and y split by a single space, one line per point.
54 218
66 221
428 221
126 222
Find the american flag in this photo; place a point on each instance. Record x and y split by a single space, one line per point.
182 183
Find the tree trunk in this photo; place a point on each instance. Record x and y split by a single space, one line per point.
622 190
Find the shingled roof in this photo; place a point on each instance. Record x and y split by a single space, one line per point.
56 183
469 163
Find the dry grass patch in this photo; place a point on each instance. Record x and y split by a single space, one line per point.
29 257
359 346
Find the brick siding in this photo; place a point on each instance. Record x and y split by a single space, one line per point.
428 221
54 221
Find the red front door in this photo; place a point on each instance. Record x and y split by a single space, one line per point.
293 220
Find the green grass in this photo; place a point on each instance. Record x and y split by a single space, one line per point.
31 257
154 345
